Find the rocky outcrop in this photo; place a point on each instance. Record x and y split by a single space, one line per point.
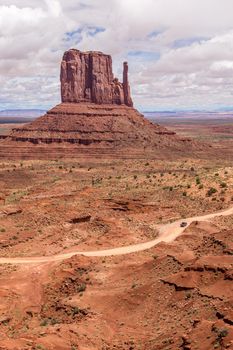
88 77
96 119
127 96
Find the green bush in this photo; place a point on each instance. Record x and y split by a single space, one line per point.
211 191
198 181
44 322
81 288
75 311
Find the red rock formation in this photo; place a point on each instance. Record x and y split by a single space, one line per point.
88 77
127 96
95 119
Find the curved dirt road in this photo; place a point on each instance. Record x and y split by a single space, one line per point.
168 233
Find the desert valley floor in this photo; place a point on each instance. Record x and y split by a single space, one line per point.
175 295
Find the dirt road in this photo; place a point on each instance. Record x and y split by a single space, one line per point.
168 233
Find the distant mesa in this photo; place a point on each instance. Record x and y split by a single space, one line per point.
96 118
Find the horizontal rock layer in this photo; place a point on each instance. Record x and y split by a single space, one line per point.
93 124
78 129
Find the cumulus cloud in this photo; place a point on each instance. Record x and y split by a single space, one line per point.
54 7
180 52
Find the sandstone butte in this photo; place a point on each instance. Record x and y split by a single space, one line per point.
88 77
96 118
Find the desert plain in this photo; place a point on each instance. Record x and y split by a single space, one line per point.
177 294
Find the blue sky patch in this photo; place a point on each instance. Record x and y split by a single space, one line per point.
144 55
75 36
92 31
154 34
185 42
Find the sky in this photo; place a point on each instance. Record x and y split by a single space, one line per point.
180 52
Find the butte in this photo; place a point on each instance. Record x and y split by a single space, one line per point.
96 118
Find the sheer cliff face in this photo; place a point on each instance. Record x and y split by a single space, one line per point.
88 77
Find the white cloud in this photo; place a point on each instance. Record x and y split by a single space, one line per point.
54 7
187 62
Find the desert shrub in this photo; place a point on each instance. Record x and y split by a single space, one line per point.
200 187
223 184
97 181
44 322
41 347
211 191
198 181
184 193
81 288
75 310
16 196
53 321
222 333
2 230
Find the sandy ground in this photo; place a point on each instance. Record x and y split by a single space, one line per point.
141 281
168 233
